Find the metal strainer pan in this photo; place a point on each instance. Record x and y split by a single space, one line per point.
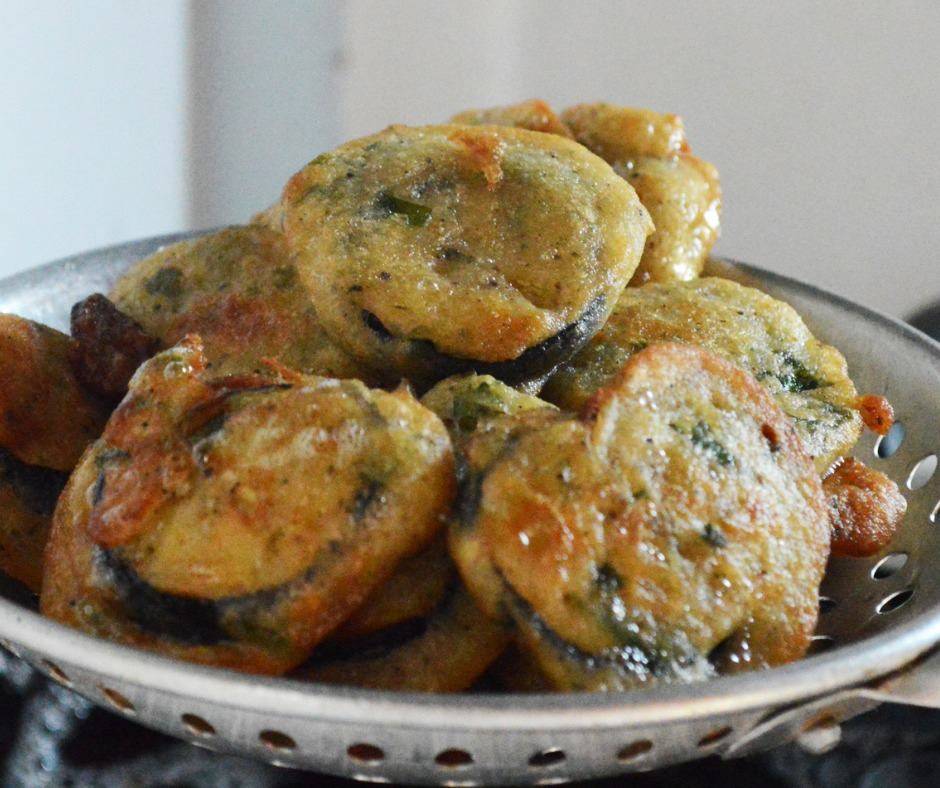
881 619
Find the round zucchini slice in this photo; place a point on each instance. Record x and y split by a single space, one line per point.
240 292
436 250
758 333
237 521
681 192
675 527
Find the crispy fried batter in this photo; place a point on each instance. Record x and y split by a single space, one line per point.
446 653
108 346
467 405
237 521
27 498
876 412
866 508
534 115
413 592
758 333
46 417
417 264
679 513
681 192
238 290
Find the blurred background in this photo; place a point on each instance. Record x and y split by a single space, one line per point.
124 118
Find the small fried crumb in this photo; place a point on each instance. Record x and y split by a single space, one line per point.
865 509
876 412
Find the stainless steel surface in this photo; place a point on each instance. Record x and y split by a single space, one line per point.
382 736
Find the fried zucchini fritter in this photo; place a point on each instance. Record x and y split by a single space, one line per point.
108 346
447 652
239 291
534 115
236 521
46 417
677 516
758 333
456 641
441 249
415 590
866 508
681 192
27 499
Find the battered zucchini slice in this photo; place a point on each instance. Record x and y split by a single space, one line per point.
435 250
758 333
681 192
28 495
236 521
47 419
446 652
240 292
416 589
675 527
414 599
421 617
534 115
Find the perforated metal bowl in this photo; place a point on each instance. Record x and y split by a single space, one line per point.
880 621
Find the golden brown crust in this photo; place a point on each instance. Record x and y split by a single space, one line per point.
449 653
876 412
866 509
760 334
679 511
681 192
413 592
46 417
27 499
107 347
238 290
237 521
434 247
534 114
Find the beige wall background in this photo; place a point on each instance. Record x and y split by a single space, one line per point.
136 117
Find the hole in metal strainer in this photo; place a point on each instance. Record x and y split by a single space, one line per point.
453 759
922 472
117 700
714 737
819 644
634 750
197 726
276 740
365 753
887 445
893 601
551 756
57 673
889 565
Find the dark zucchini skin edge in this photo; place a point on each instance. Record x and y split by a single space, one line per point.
532 364
190 620
38 488
384 642
627 660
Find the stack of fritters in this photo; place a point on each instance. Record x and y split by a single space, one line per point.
271 494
